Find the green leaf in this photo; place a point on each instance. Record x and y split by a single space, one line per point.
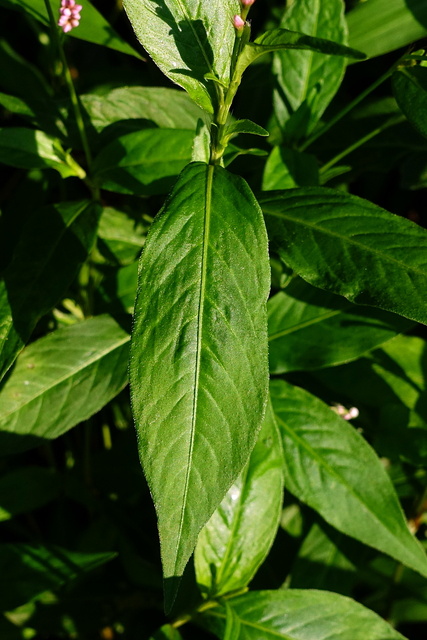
238 537
167 108
310 328
199 352
53 245
287 168
349 246
61 380
167 632
117 290
304 614
121 237
380 26
307 81
144 162
27 571
93 26
232 623
325 561
175 34
330 467
15 497
410 91
31 149
244 126
279 39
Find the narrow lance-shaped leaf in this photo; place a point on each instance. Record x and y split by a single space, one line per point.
310 328
237 538
330 467
199 352
52 247
278 39
349 246
308 80
188 40
27 571
380 26
295 614
51 388
410 90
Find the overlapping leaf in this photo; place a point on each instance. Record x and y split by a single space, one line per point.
349 246
330 467
187 40
380 26
308 80
52 247
310 328
199 351
237 538
410 90
51 388
304 614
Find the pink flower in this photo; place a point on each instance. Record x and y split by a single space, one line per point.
238 22
247 3
69 15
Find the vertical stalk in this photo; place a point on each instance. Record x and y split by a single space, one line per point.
73 96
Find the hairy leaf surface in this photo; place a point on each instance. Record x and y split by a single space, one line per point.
330 467
304 614
237 538
62 379
187 39
349 246
199 351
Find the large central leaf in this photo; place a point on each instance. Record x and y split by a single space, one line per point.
199 351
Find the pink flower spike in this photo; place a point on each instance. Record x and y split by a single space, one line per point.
238 22
247 3
69 15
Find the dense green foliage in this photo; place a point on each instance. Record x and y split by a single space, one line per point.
237 267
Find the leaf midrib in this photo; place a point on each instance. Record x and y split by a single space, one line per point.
342 481
259 627
70 374
345 239
307 323
203 273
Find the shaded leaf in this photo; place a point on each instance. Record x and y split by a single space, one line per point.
15 497
53 245
304 614
168 108
122 238
310 328
410 91
26 571
175 34
307 80
287 168
199 359
330 467
144 162
349 246
238 537
63 379
380 26
167 632
31 149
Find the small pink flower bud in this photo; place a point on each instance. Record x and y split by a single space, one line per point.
238 22
247 3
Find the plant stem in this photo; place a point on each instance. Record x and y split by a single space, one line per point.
73 97
360 142
323 129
